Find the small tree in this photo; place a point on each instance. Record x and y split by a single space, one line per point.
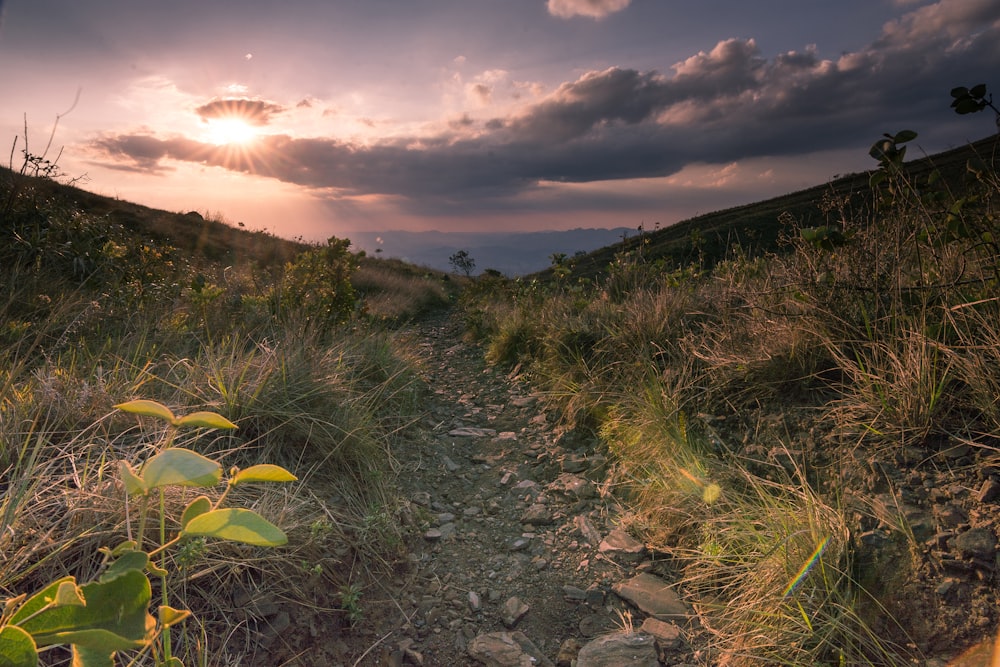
462 262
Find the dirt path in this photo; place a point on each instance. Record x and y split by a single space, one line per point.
513 554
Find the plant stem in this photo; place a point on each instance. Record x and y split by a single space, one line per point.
163 576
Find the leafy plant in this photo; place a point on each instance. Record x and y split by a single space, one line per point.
317 286
972 100
101 618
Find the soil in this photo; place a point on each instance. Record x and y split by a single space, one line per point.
509 530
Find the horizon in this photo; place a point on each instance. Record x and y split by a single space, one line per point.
471 117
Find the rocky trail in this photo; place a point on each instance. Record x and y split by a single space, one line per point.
514 554
515 557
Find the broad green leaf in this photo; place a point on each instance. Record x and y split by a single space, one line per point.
205 420
134 485
904 135
960 91
146 408
198 506
101 642
978 90
264 472
88 657
236 525
39 600
170 616
68 593
17 648
130 560
181 467
115 617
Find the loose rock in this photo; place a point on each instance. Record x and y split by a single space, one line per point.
624 545
977 543
653 596
635 649
507 649
513 611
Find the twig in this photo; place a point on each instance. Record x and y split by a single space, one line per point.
370 648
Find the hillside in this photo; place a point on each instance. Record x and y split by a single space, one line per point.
755 228
190 232
785 459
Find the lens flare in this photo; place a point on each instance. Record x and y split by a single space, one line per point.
804 570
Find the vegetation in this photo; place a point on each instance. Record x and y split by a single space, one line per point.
768 404
769 381
463 263
103 302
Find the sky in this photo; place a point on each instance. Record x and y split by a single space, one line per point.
313 118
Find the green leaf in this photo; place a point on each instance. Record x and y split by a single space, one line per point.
101 642
88 657
978 91
146 408
170 616
39 600
205 420
69 594
134 485
236 525
265 472
130 560
114 618
960 91
196 507
17 648
904 135
181 467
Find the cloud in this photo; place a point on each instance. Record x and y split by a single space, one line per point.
252 111
596 9
719 106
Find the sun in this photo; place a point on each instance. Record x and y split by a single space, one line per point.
230 130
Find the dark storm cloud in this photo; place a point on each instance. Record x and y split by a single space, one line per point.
721 105
252 111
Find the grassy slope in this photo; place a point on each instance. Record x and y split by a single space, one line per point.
832 401
756 227
100 303
188 232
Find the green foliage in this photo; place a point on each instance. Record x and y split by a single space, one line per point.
316 287
350 602
102 618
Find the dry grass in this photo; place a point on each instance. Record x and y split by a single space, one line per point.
394 292
882 344
330 408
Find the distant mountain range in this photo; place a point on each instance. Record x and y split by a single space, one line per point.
510 253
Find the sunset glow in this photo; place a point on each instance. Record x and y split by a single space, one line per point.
224 131
477 116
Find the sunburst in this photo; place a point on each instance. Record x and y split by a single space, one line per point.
230 130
